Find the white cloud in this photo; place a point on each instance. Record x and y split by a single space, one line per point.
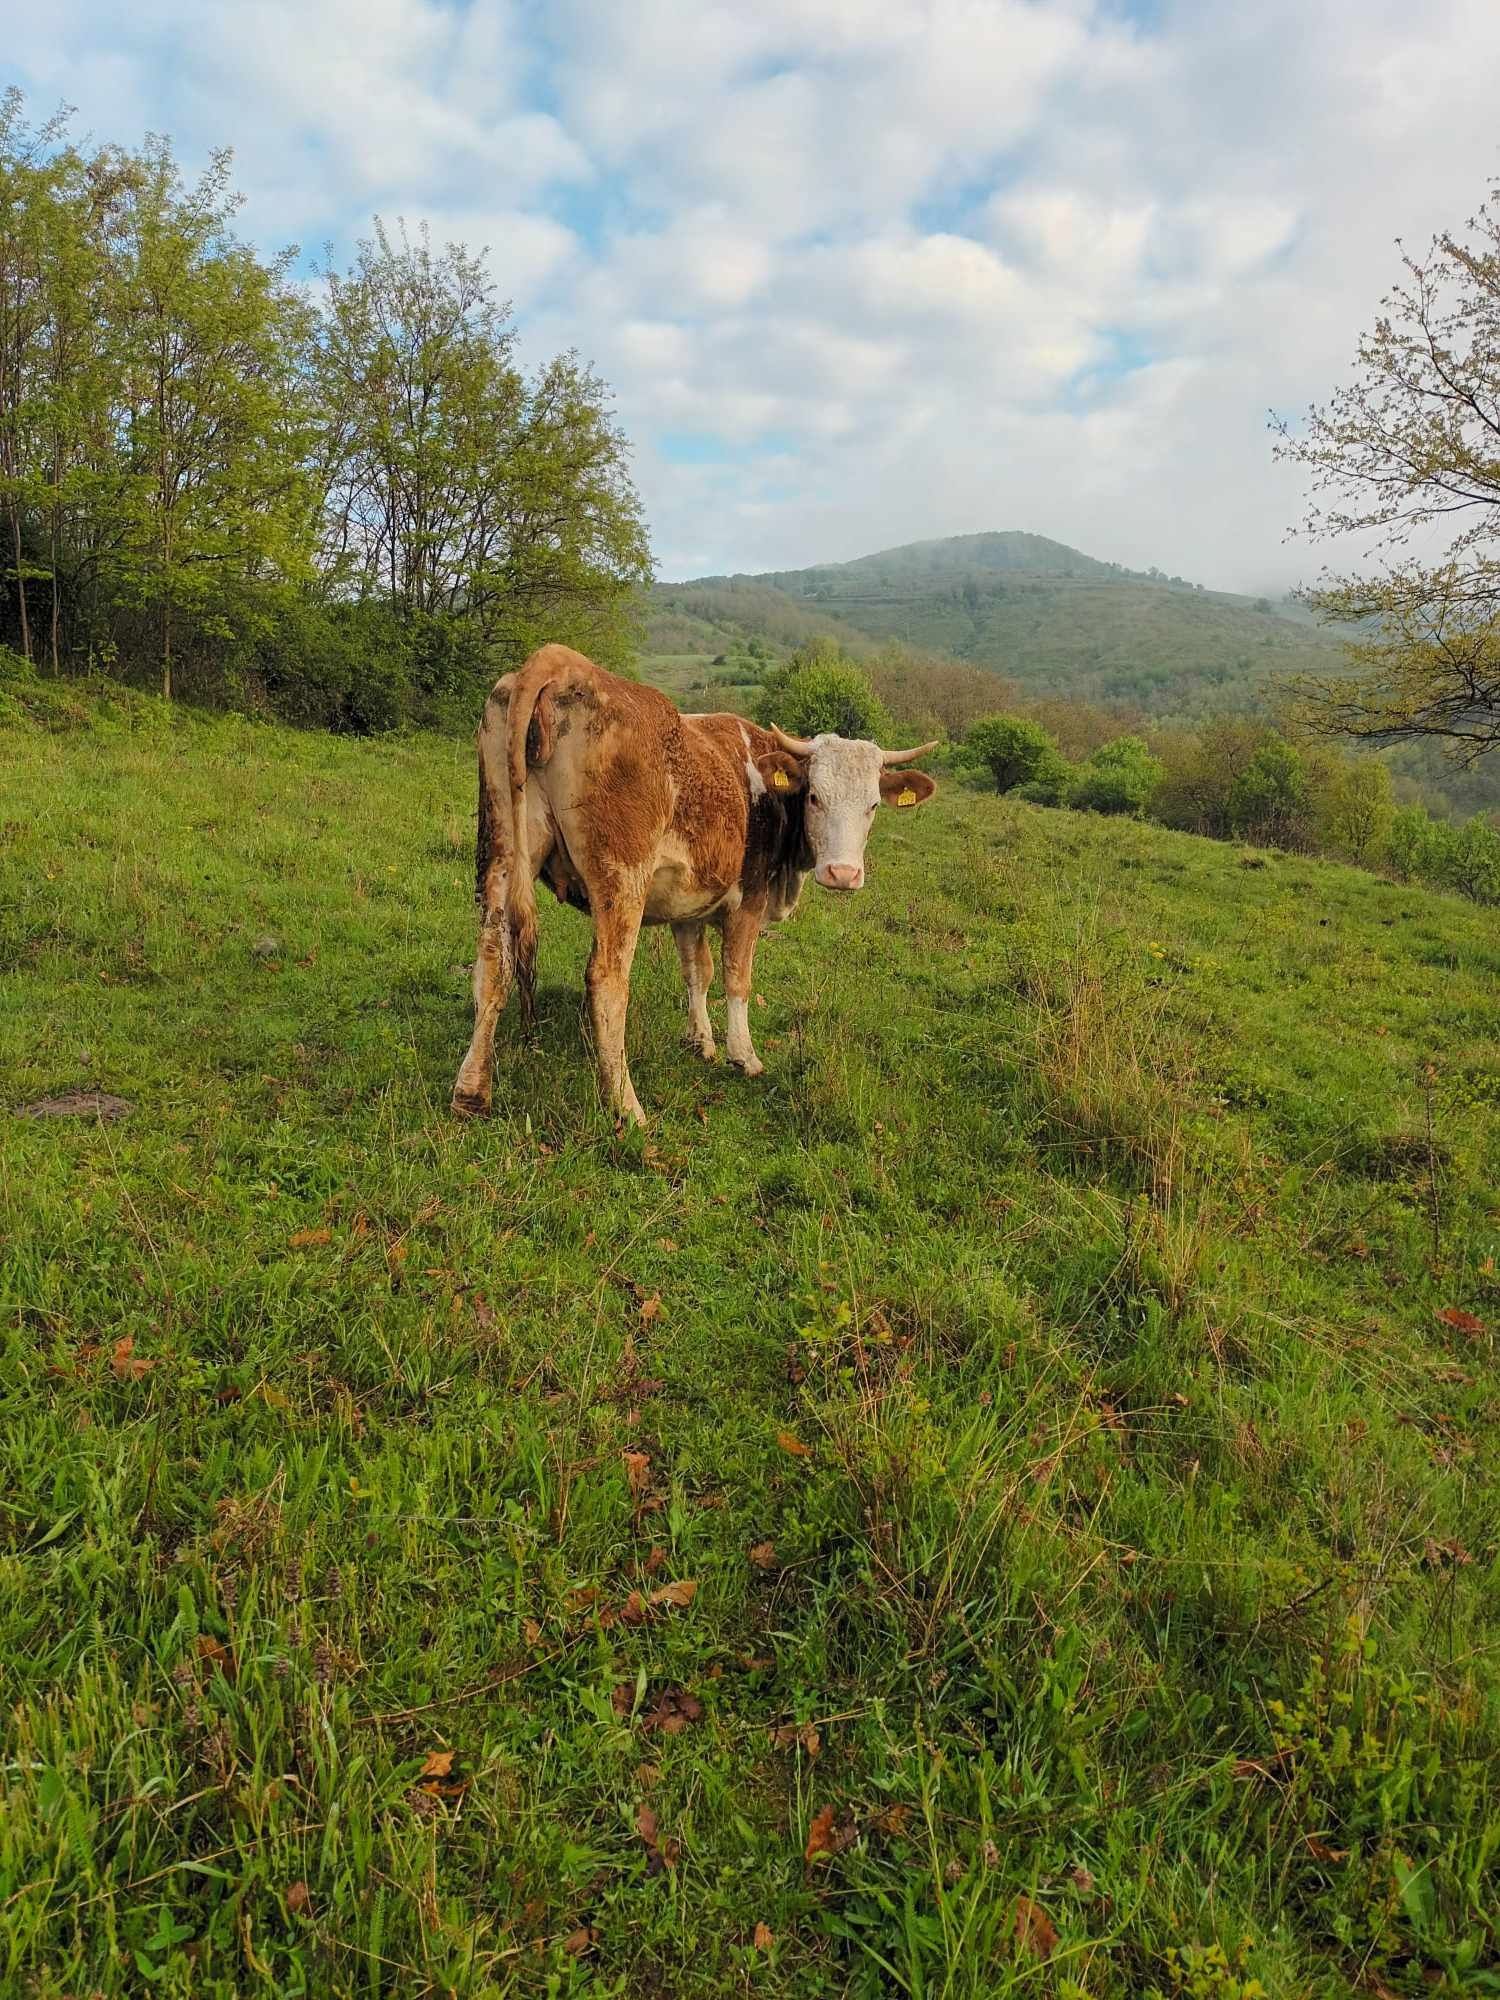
922 266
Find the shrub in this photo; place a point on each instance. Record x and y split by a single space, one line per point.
1475 859
1120 777
1015 751
818 691
1353 808
1269 801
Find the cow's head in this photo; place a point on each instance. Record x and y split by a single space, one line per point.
841 782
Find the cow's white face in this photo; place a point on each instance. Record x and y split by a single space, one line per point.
845 781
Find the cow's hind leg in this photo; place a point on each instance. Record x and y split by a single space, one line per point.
741 934
494 954
697 971
617 925
494 965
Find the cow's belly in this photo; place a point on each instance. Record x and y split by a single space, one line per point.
683 889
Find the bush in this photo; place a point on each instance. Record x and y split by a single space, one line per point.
1269 801
1015 751
818 691
1353 808
1052 787
1120 777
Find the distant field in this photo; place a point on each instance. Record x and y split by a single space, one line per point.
1004 1504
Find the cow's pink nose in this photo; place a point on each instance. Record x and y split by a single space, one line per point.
841 875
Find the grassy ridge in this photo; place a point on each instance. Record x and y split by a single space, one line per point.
1040 1375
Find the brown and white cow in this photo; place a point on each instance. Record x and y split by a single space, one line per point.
637 815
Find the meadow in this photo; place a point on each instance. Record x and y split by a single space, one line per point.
1003 1504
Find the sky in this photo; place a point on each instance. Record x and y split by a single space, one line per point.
862 272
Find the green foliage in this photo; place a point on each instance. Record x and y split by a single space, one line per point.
817 690
1015 751
1354 808
1081 1230
1120 777
1466 858
1269 800
202 466
1407 448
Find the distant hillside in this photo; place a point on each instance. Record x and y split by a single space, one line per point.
1063 623
1056 622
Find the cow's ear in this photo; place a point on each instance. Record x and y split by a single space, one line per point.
906 788
781 772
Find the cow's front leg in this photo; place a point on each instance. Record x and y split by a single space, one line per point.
741 934
617 925
697 972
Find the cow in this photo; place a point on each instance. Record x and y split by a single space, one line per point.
637 814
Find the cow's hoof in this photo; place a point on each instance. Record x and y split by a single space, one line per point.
470 1104
749 1065
708 1050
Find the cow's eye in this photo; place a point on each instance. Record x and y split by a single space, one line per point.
813 799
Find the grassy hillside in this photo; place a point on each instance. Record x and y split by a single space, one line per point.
1004 1504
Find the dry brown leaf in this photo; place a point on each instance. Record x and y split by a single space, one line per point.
309 1239
788 1736
213 1652
437 1764
637 1471
820 1835
678 1594
1460 1321
1446 1555
765 1937
655 1560
651 1309
128 1366
890 1820
576 1943
763 1555
1321 1851
673 1711
793 1445
299 1899
660 1854
1035 1930
633 1610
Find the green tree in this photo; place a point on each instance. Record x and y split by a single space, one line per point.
818 691
1269 800
455 488
1353 807
215 494
1120 777
1410 448
1014 750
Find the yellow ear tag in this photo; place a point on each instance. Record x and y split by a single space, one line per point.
783 783
907 798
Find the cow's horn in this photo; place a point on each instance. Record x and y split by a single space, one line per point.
908 756
800 746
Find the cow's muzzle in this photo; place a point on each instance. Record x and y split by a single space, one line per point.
840 875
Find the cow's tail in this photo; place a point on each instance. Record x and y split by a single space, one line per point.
522 888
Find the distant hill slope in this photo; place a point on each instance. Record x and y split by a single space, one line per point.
1050 619
1053 619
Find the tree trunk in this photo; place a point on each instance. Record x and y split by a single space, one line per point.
166 649
15 525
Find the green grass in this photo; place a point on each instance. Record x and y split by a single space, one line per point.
1132 1590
